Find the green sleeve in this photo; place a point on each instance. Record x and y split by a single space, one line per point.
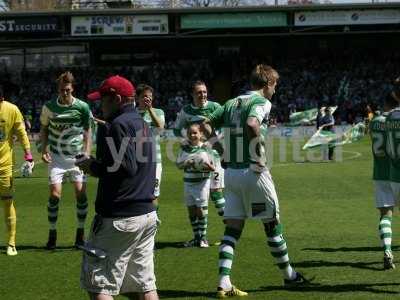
217 117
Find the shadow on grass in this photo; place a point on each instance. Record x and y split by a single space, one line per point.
184 294
340 288
337 288
324 264
350 249
163 245
42 248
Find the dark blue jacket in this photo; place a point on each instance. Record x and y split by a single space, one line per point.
126 190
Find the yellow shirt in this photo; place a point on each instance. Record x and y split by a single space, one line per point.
11 123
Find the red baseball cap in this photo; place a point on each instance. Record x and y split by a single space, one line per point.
114 84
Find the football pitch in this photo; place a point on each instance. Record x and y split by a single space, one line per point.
330 225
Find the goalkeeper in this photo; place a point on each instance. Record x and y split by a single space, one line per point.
195 159
11 122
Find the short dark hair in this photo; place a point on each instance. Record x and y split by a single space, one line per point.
141 88
196 83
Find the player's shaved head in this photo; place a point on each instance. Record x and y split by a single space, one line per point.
197 83
263 75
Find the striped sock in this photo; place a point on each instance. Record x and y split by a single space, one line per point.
52 211
219 201
278 249
203 223
195 227
385 232
226 252
11 221
81 210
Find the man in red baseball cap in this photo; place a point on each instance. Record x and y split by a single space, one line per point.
125 215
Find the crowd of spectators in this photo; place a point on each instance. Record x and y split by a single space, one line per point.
350 81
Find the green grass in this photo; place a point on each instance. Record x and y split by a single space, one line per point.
330 224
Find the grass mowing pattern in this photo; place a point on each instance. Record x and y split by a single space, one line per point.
330 225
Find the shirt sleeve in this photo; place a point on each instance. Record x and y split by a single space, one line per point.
19 129
119 158
86 117
260 111
179 123
217 117
45 116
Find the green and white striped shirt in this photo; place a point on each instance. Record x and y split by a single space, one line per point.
188 152
190 114
155 131
66 124
232 117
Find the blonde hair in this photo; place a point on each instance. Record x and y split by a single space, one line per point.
263 75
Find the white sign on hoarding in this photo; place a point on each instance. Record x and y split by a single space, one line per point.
119 25
347 17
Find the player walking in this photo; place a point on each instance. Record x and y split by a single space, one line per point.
250 191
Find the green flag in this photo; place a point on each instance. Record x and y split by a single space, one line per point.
324 137
307 116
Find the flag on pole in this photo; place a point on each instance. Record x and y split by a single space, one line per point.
324 137
307 116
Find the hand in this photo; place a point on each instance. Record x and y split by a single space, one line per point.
46 157
84 164
258 167
148 102
209 166
28 156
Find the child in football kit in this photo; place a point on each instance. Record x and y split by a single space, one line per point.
196 161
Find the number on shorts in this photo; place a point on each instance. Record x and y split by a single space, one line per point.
216 176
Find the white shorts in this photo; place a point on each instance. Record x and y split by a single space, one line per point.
250 195
61 169
128 266
384 193
217 178
158 180
197 194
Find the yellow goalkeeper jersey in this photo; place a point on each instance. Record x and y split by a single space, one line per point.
11 123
